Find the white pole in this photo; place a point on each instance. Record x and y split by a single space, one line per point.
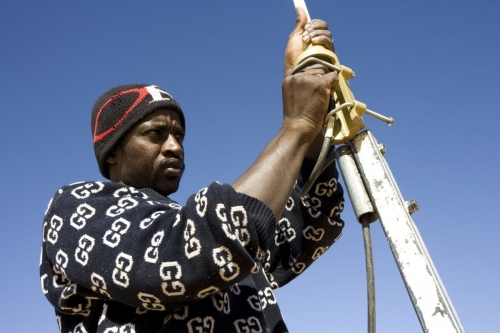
302 4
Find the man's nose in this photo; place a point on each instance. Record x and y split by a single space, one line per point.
172 147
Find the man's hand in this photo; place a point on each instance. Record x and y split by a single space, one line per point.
315 32
306 96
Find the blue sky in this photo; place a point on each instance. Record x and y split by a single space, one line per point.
432 65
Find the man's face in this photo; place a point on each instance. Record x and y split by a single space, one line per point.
151 155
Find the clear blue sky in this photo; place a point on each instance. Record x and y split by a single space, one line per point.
432 65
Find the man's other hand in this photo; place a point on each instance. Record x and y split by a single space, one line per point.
315 32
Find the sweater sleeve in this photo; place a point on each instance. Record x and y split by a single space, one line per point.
307 228
108 241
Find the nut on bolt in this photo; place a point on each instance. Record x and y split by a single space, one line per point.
412 206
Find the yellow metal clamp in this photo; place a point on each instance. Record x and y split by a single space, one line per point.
343 121
347 111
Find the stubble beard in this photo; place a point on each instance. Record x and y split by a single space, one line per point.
165 185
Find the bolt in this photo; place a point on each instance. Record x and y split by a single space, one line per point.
381 148
412 206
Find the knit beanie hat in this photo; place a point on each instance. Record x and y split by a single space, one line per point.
117 110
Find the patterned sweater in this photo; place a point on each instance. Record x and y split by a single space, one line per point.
117 259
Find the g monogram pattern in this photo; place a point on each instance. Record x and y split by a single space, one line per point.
121 207
150 302
313 204
201 325
55 225
285 232
223 258
86 190
151 254
313 234
61 262
254 302
171 273
201 202
251 324
208 266
193 244
99 285
149 220
129 192
221 301
236 227
266 297
337 210
326 188
113 236
297 267
85 245
79 218
123 266
319 252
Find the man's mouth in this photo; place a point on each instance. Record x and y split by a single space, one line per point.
173 167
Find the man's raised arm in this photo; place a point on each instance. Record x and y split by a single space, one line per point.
306 97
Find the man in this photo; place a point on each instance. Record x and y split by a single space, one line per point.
121 256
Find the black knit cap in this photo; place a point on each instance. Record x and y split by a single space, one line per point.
117 110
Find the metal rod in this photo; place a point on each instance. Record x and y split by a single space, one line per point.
370 274
365 214
340 108
312 61
388 120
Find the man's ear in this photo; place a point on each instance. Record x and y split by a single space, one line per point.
111 159
114 155
113 164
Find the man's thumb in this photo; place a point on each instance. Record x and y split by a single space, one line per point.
301 21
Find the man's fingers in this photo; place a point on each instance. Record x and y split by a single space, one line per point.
333 79
317 33
319 37
320 74
317 24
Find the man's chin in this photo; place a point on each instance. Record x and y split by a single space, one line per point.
167 187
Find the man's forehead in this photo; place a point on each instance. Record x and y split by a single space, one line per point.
163 117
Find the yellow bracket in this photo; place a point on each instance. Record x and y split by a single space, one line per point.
348 121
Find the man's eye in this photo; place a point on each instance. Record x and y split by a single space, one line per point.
154 133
